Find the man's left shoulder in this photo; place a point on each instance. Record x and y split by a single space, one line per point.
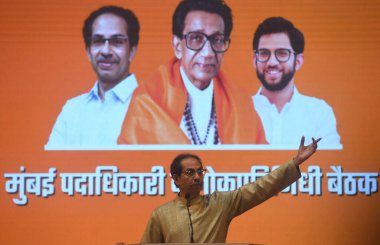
313 101
165 207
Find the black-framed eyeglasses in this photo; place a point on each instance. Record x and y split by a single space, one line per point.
113 41
197 40
282 54
191 172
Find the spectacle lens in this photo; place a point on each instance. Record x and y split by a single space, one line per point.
116 41
197 40
282 55
191 172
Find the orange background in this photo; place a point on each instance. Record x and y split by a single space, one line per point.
43 63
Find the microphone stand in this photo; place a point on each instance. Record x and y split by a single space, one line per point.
188 211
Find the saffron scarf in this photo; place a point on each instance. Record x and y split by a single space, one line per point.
158 105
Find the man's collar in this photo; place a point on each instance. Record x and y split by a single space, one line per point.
193 201
295 94
190 87
94 92
122 90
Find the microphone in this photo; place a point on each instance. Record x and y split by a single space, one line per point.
187 196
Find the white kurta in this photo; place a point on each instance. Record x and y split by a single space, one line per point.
301 116
86 120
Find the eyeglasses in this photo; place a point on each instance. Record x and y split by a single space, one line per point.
197 40
282 54
191 172
114 41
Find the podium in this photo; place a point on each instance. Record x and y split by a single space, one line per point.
121 243
190 243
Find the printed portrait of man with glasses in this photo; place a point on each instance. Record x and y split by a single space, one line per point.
189 100
286 114
111 35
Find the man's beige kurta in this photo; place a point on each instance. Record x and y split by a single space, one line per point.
211 215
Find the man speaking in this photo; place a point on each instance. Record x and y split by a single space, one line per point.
192 217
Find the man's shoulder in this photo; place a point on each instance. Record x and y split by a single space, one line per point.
313 107
312 101
75 105
219 198
164 208
231 84
78 100
162 80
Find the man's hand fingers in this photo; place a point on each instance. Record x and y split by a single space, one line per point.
302 141
316 140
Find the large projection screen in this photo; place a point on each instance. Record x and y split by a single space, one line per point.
44 63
